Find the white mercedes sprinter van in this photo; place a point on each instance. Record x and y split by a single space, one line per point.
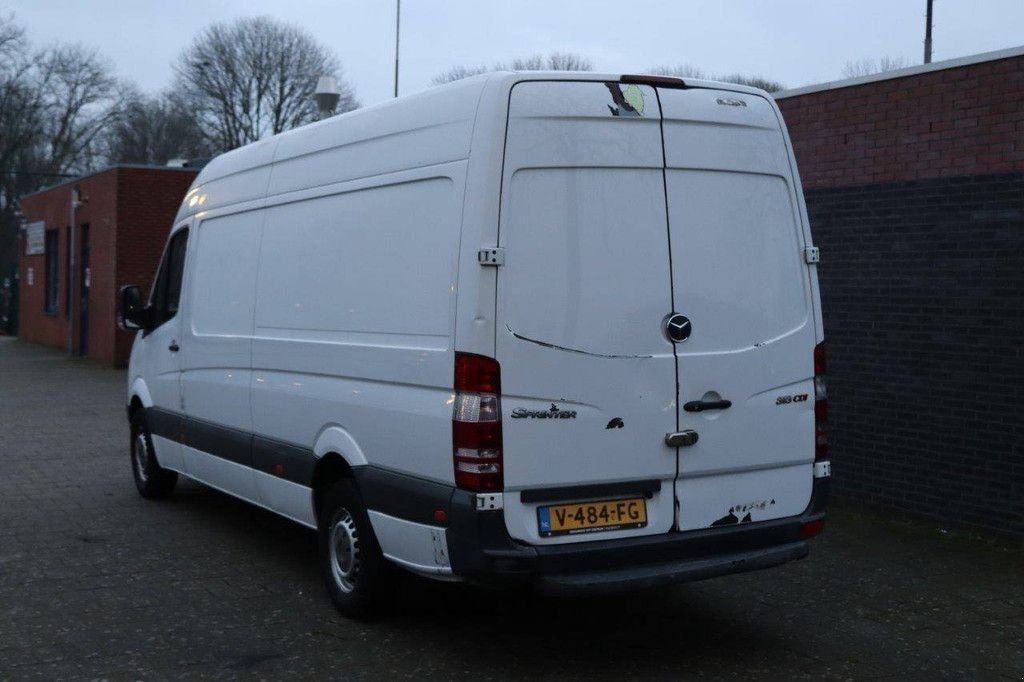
548 328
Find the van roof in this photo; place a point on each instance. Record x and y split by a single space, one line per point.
434 126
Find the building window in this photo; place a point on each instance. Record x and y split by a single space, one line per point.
52 274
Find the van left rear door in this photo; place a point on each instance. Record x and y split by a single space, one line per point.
588 376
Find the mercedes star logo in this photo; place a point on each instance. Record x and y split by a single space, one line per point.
677 327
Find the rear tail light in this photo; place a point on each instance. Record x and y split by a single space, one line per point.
476 423
812 528
820 405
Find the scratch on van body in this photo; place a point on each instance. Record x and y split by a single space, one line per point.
571 350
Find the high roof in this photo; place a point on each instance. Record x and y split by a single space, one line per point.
437 124
434 126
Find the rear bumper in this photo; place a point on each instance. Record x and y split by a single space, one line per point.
667 573
481 551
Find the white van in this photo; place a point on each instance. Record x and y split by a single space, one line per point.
551 328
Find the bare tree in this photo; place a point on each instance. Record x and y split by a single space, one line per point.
868 67
690 71
567 61
79 98
53 105
761 82
457 73
255 77
19 99
679 71
556 61
534 62
154 130
12 39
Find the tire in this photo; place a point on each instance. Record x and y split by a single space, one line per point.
355 571
151 480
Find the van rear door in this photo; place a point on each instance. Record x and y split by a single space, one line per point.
739 276
588 377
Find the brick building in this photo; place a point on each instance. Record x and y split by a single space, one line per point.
915 188
121 224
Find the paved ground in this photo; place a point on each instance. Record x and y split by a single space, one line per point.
97 582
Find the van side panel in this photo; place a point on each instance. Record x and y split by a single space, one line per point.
426 129
354 321
481 206
217 349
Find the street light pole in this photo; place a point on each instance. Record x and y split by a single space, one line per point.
398 24
928 35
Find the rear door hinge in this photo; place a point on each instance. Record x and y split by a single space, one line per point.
811 255
494 256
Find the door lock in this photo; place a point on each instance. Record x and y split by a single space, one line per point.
681 439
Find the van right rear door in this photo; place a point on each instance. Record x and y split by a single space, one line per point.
588 376
740 278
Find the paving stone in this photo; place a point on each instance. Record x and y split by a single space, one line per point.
96 582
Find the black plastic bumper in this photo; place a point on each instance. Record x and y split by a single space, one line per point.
667 573
481 551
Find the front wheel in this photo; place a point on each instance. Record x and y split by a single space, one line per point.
152 481
354 568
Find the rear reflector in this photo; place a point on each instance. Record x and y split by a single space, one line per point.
820 405
476 424
812 528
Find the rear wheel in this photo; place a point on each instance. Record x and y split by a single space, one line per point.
152 481
354 568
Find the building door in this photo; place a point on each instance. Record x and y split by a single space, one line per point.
83 326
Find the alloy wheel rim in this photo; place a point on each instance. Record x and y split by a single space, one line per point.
140 456
344 547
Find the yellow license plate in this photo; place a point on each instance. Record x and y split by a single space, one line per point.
591 517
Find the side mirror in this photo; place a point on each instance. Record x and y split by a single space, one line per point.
132 313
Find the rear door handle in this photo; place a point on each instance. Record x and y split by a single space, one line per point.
174 348
681 439
701 405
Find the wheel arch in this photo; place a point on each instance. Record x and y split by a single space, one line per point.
138 396
337 454
329 468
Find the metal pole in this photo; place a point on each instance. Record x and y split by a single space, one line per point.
928 35
71 274
397 25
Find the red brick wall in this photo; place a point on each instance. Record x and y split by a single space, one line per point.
966 120
148 202
915 194
129 212
53 207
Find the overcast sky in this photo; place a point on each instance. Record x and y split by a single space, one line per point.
797 42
